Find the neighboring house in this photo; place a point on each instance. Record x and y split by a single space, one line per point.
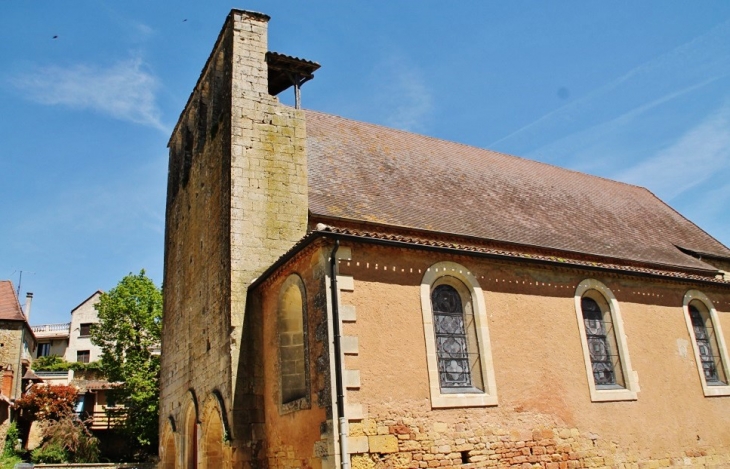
343 293
80 348
17 342
72 342
52 339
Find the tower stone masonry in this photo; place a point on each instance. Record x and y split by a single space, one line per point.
237 200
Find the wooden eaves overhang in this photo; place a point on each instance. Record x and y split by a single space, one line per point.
323 232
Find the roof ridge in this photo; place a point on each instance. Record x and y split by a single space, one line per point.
474 147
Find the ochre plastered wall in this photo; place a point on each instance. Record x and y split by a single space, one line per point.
544 401
237 194
297 436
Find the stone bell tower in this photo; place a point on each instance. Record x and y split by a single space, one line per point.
236 201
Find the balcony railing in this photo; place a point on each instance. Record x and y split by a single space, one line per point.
107 419
48 328
53 374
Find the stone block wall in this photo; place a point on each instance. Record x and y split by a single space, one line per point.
196 322
11 347
398 441
269 168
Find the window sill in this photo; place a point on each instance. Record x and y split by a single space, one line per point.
440 400
612 395
716 391
295 405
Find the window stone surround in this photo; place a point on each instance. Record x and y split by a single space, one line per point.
631 389
440 399
696 295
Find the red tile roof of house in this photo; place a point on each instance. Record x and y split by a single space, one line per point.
373 174
9 307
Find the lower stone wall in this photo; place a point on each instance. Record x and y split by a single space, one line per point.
290 457
97 466
417 443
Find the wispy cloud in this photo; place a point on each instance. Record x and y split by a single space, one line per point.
600 145
693 159
403 94
702 59
124 91
141 31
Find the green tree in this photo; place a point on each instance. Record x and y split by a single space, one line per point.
128 332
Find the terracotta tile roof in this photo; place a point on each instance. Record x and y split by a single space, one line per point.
32 376
9 307
100 384
368 173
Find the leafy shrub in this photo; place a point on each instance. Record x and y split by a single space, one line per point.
67 440
47 402
49 454
11 439
56 363
71 434
10 457
9 462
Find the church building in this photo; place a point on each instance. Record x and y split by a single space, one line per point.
340 294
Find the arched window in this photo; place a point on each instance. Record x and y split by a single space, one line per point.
458 349
708 343
706 340
457 346
601 338
605 351
293 360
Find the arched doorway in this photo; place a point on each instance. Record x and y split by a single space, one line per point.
213 440
167 453
191 438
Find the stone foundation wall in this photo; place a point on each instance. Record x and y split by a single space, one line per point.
408 442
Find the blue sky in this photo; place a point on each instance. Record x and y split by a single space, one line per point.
90 90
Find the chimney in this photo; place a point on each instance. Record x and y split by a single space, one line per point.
7 382
28 301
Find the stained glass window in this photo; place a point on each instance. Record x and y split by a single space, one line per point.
456 347
707 345
602 346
